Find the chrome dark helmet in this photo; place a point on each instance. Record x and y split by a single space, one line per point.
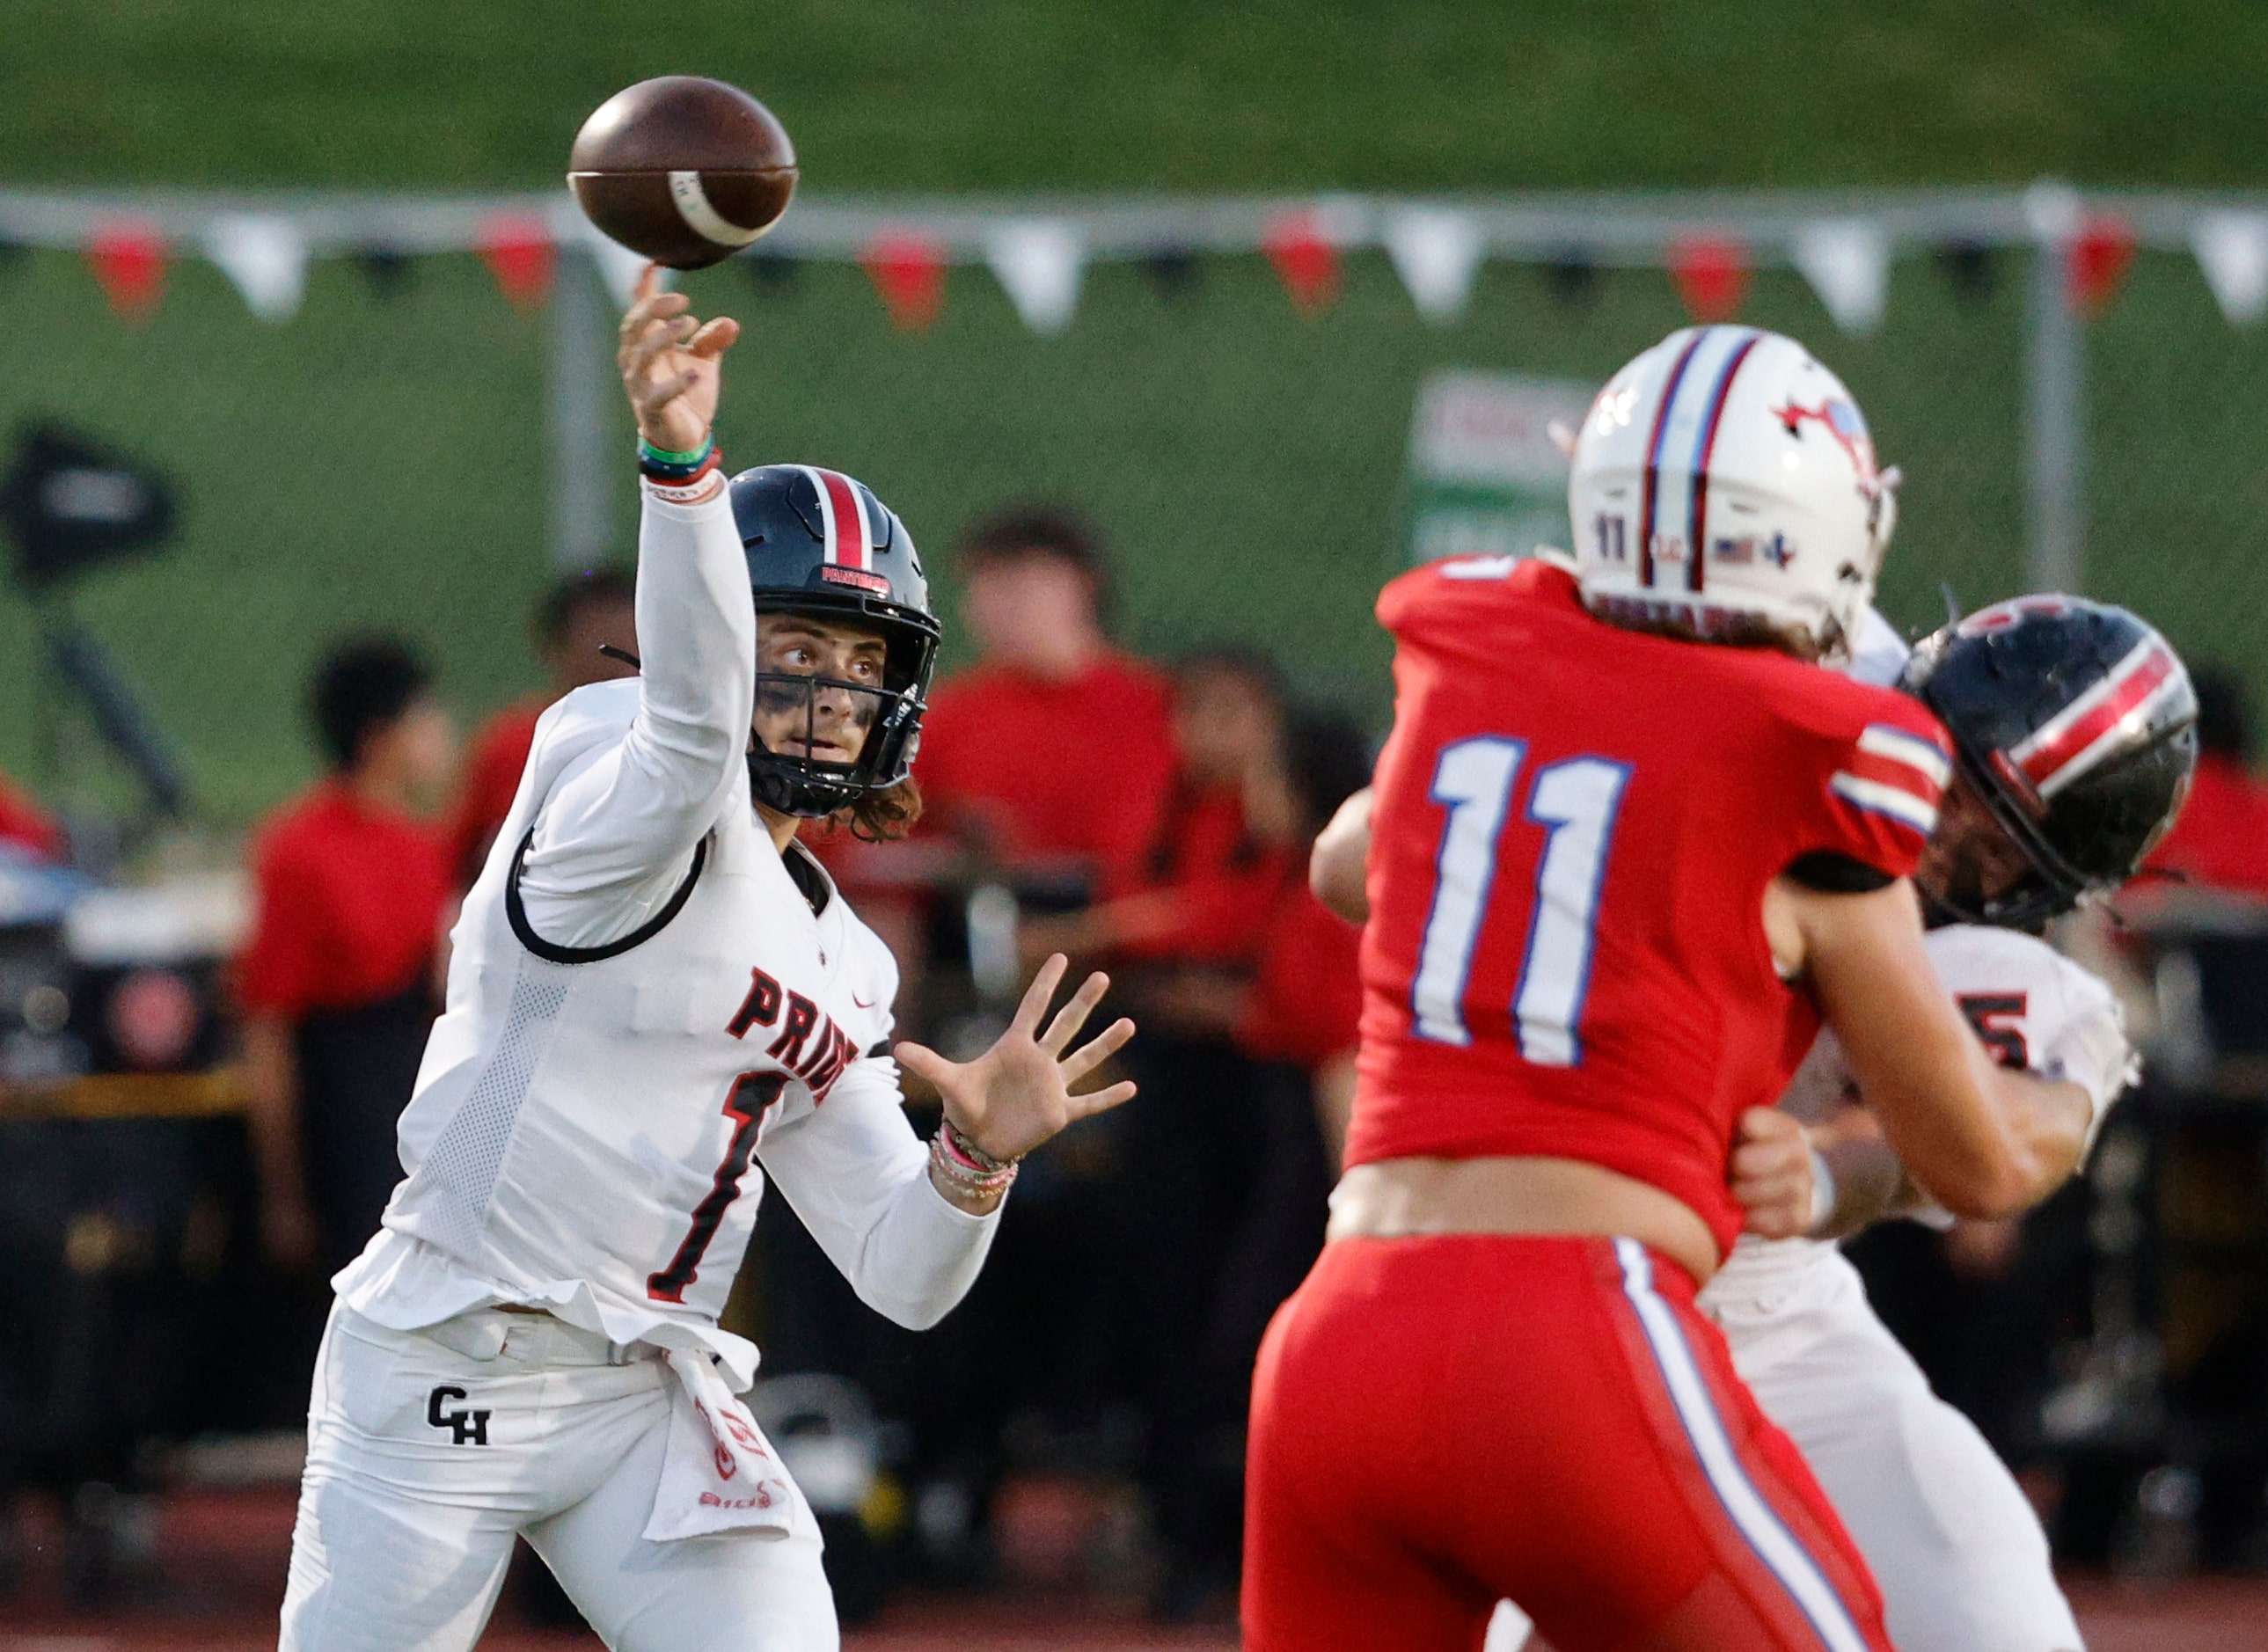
2075 725
821 545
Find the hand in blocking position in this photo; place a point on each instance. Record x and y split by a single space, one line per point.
669 362
1018 1094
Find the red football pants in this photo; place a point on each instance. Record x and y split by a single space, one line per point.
1439 1424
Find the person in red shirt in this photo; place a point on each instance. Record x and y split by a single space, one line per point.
580 619
2219 840
1047 682
335 985
1220 1205
1629 845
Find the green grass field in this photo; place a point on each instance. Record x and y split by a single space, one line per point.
1013 94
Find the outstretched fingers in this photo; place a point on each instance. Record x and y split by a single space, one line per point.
1102 1100
1095 1051
714 338
923 1062
1037 995
1072 1016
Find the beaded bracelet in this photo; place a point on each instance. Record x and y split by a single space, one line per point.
959 1140
962 1172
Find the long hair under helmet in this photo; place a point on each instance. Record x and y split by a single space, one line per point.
2076 724
1724 485
821 543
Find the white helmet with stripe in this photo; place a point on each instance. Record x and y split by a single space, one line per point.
1724 485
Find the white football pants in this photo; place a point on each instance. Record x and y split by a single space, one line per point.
1962 1564
427 1452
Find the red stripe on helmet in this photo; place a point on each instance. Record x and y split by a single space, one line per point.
852 547
1654 458
1697 540
2093 718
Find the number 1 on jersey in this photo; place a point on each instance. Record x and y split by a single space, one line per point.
1575 800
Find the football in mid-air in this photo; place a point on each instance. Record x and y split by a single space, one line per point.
684 169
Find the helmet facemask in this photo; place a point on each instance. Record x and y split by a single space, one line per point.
799 717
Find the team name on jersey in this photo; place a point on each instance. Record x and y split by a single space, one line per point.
808 1043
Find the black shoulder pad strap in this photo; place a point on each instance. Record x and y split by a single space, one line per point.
517 913
1834 874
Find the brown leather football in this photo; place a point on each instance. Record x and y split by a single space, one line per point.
685 170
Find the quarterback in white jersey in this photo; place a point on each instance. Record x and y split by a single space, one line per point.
657 999
2071 721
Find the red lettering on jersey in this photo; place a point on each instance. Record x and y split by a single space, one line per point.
803 1018
835 1053
760 1007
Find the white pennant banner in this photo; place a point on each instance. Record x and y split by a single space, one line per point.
2232 249
1038 263
1437 252
265 256
1847 261
618 267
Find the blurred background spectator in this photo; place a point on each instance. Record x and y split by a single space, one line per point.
337 982
1051 754
2220 840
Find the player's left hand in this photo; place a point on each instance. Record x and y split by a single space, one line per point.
1772 1173
1019 1093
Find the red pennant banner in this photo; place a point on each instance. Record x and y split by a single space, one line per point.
2099 260
1305 262
518 253
909 272
1711 273
128 259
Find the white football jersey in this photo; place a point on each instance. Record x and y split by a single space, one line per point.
587 1125
2016 990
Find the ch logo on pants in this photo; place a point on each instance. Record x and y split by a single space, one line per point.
468 1427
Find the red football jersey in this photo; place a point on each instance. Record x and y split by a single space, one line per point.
1574 827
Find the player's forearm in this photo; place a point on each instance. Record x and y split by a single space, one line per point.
1337 866
613 838
1870 1184
921 1254
696 628
859 1180
2049 1119
1920 1068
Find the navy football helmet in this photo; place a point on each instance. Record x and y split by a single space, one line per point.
821 543
2074 722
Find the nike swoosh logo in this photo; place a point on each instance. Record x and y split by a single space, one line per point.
863 1003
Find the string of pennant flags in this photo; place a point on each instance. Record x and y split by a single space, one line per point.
1039 249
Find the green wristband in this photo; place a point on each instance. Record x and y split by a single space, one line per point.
663 456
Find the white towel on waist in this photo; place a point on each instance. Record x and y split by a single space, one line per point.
719 1472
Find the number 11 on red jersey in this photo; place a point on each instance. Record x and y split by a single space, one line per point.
1575 800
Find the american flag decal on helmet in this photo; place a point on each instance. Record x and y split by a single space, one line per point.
2070 745
850 539
1692 407
1896 773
